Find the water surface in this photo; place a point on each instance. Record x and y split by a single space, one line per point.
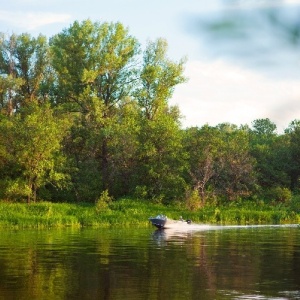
233 262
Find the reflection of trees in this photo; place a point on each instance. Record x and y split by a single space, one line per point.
241 260
26 273
112 264
215 261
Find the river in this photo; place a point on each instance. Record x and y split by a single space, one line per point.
204 262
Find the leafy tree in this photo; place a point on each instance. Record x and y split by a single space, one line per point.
158 78
99 77
219 161
33 141
269 150
202 146
95 70
123 146
24 65
264 127
160 147
8 85
293 133
160 158
234 175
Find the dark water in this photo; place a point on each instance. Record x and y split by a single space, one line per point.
207 263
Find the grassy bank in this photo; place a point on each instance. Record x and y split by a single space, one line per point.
128 212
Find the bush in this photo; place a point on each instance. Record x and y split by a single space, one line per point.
279 194
193 200
103 202
282 194
295 204
141 192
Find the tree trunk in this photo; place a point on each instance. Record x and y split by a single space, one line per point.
29 195
104 166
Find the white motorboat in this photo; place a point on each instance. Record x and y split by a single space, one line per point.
163 222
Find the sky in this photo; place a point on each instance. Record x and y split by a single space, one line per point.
243 56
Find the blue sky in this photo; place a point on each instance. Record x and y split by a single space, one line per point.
255 74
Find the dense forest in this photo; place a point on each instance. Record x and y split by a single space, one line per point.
86 112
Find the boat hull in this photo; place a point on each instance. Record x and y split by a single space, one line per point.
162 222
158 222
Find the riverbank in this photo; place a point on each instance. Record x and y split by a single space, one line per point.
128 212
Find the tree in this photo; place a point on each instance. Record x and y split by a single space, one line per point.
202 146
101 79
219 161
264 127
270 152
24 65
234 175
8 85
95 65
33 141
293 133
123 147
158 78
160 147
161 158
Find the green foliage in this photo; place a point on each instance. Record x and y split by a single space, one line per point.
158 77
122 147
33 149
293 166
160 158
141 192
159 152
193 200
219 160
24 66
88 113
271 153
129 212
294 204
16 189
264 127
278 194
103 202
96 79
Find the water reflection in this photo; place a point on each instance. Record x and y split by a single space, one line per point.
215 263
181 233
163 236
240 262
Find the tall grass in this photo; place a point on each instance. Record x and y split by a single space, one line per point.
135 213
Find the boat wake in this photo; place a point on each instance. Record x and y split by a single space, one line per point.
180 232
202 227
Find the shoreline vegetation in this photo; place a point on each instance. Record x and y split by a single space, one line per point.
85 118
130 212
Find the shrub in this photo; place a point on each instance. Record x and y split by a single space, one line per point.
141 192
193 200
103 202
295 204
280 194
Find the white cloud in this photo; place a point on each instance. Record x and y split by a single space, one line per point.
246 4
292 2
220 92
32 20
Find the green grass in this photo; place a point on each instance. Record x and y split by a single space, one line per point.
129 212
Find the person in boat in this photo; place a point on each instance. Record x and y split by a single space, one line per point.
187 221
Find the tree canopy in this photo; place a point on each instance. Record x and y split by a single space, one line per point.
88 112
